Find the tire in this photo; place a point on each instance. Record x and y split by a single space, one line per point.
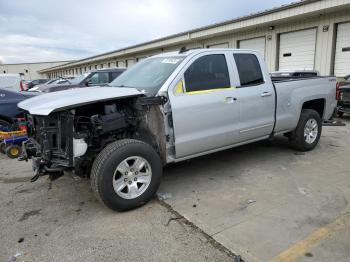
13 151
299 140
340 114
122 155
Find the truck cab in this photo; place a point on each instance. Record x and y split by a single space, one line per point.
220 98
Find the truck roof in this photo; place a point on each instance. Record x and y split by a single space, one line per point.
117 69
202 50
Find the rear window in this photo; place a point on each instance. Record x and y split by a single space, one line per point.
249 70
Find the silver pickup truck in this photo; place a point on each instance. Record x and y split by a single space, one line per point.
165 109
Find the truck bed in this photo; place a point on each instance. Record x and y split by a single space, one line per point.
292 93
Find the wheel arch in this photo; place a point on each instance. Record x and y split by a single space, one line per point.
315 104
152 131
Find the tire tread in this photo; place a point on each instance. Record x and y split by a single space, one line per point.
297 137
102 157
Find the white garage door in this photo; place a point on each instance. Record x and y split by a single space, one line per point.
342 53
130 62
255 44
120 64
222 45
297 50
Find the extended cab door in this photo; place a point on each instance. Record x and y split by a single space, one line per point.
204 108
255 96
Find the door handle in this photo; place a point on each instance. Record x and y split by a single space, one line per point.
230 100
265 94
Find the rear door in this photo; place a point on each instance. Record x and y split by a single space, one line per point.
255 96
204 108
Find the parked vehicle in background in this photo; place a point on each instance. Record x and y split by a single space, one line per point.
8 107
169 108
93 78
31 84
11 81
343 97
52 82
10 98
293 74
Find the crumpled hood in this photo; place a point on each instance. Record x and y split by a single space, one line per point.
61 100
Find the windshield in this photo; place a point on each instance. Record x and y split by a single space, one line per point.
78 79
148 75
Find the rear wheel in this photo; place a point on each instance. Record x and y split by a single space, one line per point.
13 151
126 174
308 131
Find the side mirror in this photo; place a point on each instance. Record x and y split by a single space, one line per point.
88 82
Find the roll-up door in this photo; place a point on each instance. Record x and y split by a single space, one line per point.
258 44
297 50
222 45
342 53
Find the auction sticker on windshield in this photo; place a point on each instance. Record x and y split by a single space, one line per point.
170 61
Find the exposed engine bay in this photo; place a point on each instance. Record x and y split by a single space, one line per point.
72 138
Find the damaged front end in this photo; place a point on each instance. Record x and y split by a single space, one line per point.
50 143
70 138
67 129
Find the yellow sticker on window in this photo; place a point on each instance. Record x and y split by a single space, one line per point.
179 88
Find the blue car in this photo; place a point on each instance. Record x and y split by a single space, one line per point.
9 111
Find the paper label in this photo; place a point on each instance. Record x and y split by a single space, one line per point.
170 61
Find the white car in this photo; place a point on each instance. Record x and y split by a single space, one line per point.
11 81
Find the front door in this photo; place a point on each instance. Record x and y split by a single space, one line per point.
204 108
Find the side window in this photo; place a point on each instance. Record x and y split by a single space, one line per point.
207 72
114 75
249 69
99 78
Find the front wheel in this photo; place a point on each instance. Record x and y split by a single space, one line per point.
126 174
308 131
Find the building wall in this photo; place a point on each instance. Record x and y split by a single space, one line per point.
28 70
289 20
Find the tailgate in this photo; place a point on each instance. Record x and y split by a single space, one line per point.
344 92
